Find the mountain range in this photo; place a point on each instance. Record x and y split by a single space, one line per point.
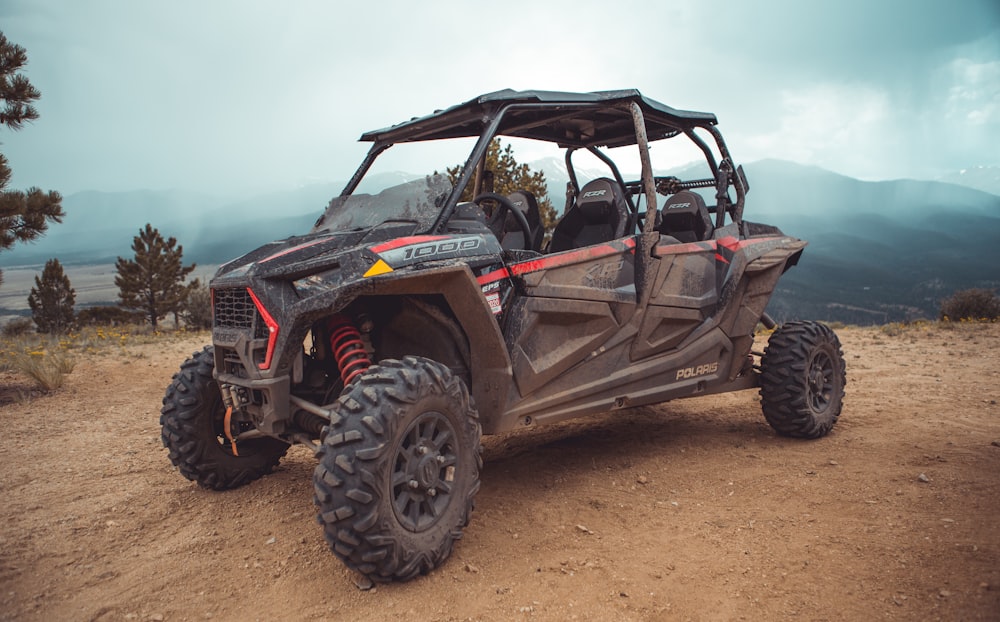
878 251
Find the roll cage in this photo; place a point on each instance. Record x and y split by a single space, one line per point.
573 121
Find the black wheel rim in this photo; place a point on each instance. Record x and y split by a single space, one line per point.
423 473
820 381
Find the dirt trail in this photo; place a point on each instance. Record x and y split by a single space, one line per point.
691 510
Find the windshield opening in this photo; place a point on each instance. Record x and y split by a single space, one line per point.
411 182
408 182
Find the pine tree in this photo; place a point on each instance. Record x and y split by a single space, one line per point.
52 299
509 176
153 282
24 216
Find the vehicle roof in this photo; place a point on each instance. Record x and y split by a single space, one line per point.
598 119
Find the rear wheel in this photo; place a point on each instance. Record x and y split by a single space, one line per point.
399 469
193 420
802 380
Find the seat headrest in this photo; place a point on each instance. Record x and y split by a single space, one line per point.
685 217
599 199
685 201
528 204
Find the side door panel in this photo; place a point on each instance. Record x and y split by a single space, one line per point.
572 304
555 336
685 294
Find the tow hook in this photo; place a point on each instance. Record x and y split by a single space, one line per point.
234 396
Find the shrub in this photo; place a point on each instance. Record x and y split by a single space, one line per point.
18 327
46 362
108 316
971 304
196 310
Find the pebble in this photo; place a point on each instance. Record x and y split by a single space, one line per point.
995 443
271 540
471 568
583 529
923 478
362 582
642 479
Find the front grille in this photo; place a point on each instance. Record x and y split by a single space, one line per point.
260 330
236 316
235 309
232 364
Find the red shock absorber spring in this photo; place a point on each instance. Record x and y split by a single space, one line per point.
348 349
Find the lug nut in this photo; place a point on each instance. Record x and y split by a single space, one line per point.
414 484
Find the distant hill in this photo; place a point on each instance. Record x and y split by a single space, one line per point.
878 251
985 178
99 226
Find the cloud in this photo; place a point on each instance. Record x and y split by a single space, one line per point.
840 127
974 96
236 95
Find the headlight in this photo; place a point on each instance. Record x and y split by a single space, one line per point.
317 283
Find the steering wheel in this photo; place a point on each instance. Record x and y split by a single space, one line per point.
496 223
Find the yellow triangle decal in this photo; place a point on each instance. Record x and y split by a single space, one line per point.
379 267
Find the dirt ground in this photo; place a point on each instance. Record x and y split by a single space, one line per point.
693 510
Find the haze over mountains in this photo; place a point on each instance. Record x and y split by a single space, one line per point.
878 251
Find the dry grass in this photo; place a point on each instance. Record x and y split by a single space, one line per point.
43 363
47 359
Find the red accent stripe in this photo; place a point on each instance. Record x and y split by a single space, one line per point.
272 329
571 257
729 243
719 257
733 244
690 247
400 242
490 277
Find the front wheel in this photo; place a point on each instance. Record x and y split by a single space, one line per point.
399 469
802 378
193 421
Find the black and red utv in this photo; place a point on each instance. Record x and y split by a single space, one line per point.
408 322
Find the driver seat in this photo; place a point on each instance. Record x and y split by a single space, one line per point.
599 214
685 217
513 237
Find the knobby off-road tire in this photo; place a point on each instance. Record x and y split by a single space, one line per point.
192 420
399 469
802 377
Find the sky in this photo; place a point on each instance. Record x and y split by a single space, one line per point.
243 96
